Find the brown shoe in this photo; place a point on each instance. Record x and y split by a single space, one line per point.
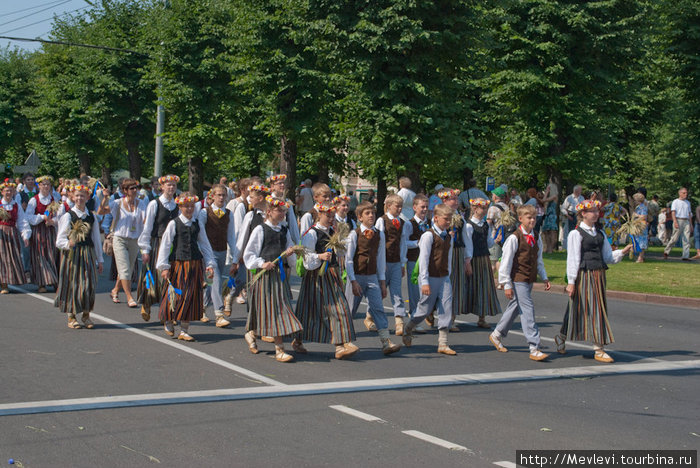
345 351
267 339
281 356
221 322
169 331
184 336
88 323
250 339
482 324
445 349
538 355
369 324
73 323
390 348
430 319
298 347
42 289
399 326
561 344
145 314
602 356
497 343
204 319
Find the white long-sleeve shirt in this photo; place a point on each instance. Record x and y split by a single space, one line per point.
403 248
413 244
251 255
145 237
510 248
166 242
22 225
306 222
469 232
573 252
311 260
230 231
34 218
241 235
352 247
64 228
425 244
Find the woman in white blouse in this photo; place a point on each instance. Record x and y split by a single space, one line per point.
128 215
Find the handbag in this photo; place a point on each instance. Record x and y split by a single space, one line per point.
108 244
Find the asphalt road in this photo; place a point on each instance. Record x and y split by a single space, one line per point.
146 399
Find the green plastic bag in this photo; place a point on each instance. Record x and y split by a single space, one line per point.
301 271
414 274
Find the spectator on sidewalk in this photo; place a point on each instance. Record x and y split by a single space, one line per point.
682 224
568 211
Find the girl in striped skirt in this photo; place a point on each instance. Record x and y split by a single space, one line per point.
321 306
184 247
269 298
12 223
458 277
480 288
78 237
588 256
41 215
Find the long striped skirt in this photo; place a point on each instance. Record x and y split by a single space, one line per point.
270 306
459 280
11 267
77 281
586 317
188 277
481 289
44 255
323 309
149 296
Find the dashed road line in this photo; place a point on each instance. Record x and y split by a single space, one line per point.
505 464
357 414
437 441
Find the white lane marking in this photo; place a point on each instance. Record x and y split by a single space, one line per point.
324 388
434 440
505 464
170 342
357 414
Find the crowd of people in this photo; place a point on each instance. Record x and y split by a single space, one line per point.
242 241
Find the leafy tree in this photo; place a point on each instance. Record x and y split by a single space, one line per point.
16 95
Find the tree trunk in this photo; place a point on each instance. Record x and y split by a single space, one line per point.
381 193
132 149
196 175
84 163
416 182
323 173
107 175
467 175
288 163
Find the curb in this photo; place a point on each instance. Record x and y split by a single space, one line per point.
690 302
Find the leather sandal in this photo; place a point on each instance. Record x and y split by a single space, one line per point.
73 323
601 356
115 298
497 344
281 356
250 339
561 344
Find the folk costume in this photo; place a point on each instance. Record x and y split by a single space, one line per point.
13 230
416 228
396 235
40 212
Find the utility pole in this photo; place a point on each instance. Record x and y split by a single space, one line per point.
160 127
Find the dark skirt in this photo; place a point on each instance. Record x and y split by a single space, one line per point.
586 317
481 289
77 281
11 266
188 277
270 306
323 309
44 255
149 296
458 278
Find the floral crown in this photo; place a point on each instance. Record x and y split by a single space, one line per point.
181 200
321 208
587 205
478 202
80 188
7 183
341 198
259 188
445 194
276 178
274 202
45 178
168 178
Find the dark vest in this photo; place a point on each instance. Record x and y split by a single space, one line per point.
438 265
25 197
524 268
365 259
217 229
459 240
185 245
89 220
14 215
592 250
393 239
412 254
162 218
274 243
480 239
322 239
255 221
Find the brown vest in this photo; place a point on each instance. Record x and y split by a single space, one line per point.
365 259
412 254
393 239
525 260
438 264
217 229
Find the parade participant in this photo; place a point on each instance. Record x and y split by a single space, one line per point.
78 237
481 295
28 190
416 227
396 235
255 217
365 263
239 206
41 215
322 194
520 264
458 278
159 213
14 232
183 253
321 307
434 278
270 311
278 189
217 220
342 208
407 196
588 256
494 217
